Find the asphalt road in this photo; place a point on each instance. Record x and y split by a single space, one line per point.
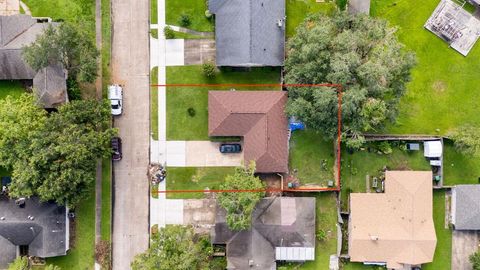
130 68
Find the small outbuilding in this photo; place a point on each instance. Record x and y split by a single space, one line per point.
432 149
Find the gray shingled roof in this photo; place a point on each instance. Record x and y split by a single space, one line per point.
46 235
247 32
17 31
466 203
276 222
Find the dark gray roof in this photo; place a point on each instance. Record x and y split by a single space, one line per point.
467 207
46 235
17 31
276 222
50 86
247 32
8 252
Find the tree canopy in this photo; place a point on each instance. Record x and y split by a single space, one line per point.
475 260
467 139
360 53
53 156
175 247
68 44
240 205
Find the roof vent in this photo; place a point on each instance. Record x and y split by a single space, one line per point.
373 237
2 218
280 23
20 202
250 263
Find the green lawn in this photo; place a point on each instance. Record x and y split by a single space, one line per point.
153 11
154 103
194 9
459 168
326 220
192 178
81 255
443 252
443 92
298 10
106 45
11 88
181 35
180 125
356 166
63 9
308 150
106 199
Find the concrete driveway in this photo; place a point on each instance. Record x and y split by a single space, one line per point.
199 51
464 243
200 154
130 67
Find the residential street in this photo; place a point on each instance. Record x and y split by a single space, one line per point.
130 67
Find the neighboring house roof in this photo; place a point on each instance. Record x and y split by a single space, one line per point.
280 225
259 117
9 7
17 31
46 235
249 32
395 227
466 207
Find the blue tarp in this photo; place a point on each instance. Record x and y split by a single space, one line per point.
295 124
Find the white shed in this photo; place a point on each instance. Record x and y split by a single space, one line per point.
432 149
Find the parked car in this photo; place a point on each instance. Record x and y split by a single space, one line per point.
116 148
230 148
115 95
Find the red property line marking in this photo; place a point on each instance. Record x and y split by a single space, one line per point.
339 88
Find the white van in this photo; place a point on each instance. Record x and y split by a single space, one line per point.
115 95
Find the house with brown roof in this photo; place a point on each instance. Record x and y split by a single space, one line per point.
394 228
259 118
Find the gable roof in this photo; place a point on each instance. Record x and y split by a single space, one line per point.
466 207
277 223
395 227
46 235
247 32
50 86
259 117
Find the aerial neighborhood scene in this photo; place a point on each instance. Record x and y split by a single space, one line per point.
239 134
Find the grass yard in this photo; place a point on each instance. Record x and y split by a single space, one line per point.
106 45
298 10
153 11
81 255
194 9
182 126
459 168
181 35
154 103
443 252
106 199
326 220
192 178
356 166
443 93
63 9
308 150
11 88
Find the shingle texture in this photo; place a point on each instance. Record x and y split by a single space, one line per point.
249 32
395 227
276 222
259 117
466 204
45 235
17 31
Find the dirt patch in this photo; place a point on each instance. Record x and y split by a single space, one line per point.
439 86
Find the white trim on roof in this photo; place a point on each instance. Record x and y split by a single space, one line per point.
294 253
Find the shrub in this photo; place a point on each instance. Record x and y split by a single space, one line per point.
209 70
341 4
168 32
385 148
321 235
208 14
191 112
185 20
73 90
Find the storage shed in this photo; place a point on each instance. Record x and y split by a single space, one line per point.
432 149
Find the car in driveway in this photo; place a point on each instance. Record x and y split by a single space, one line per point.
115 95
116 149
227 148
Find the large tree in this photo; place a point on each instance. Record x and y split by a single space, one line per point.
53 157
359 52
240 205
175 247
467 139
68 44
